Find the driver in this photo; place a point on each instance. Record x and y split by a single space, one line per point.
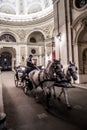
29 60
30 63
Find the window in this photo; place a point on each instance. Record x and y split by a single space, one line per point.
80 3
33 40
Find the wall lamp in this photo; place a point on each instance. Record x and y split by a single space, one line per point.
23 58
59 36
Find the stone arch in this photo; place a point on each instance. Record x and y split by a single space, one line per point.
75 40
82 37
81 43
40 31
37 35
10 33
78 20
10 50
7 38
79 40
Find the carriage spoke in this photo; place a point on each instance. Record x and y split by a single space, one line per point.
16 81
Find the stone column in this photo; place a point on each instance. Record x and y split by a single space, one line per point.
2 121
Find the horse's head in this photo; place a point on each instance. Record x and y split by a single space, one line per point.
55 69
56 66
72 71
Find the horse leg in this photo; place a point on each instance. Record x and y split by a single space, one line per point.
54 94
48 96
60 94
73 81
66 98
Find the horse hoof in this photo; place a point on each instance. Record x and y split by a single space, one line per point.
69 107
47 108
54 96
37 99
59 99
25 90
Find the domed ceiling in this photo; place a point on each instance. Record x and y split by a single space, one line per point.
20 9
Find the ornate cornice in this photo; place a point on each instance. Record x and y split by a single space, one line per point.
8 21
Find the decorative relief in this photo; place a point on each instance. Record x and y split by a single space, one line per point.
80 4
84 21
13 2
21 34
47 30
33 51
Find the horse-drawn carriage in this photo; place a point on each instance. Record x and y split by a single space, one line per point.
31 78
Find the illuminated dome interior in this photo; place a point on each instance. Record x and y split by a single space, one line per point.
25 8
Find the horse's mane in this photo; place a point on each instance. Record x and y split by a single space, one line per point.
65 69
48 68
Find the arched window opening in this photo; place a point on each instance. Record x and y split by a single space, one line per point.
7 38
85 61
33 40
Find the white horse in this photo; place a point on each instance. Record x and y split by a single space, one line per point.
53 76
70 73
45 78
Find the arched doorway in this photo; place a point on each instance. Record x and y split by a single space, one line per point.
7 58
6 61
82 55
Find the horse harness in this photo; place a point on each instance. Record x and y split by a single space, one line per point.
39 79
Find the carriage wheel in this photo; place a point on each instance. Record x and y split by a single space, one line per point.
24 84
26 90
16 81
